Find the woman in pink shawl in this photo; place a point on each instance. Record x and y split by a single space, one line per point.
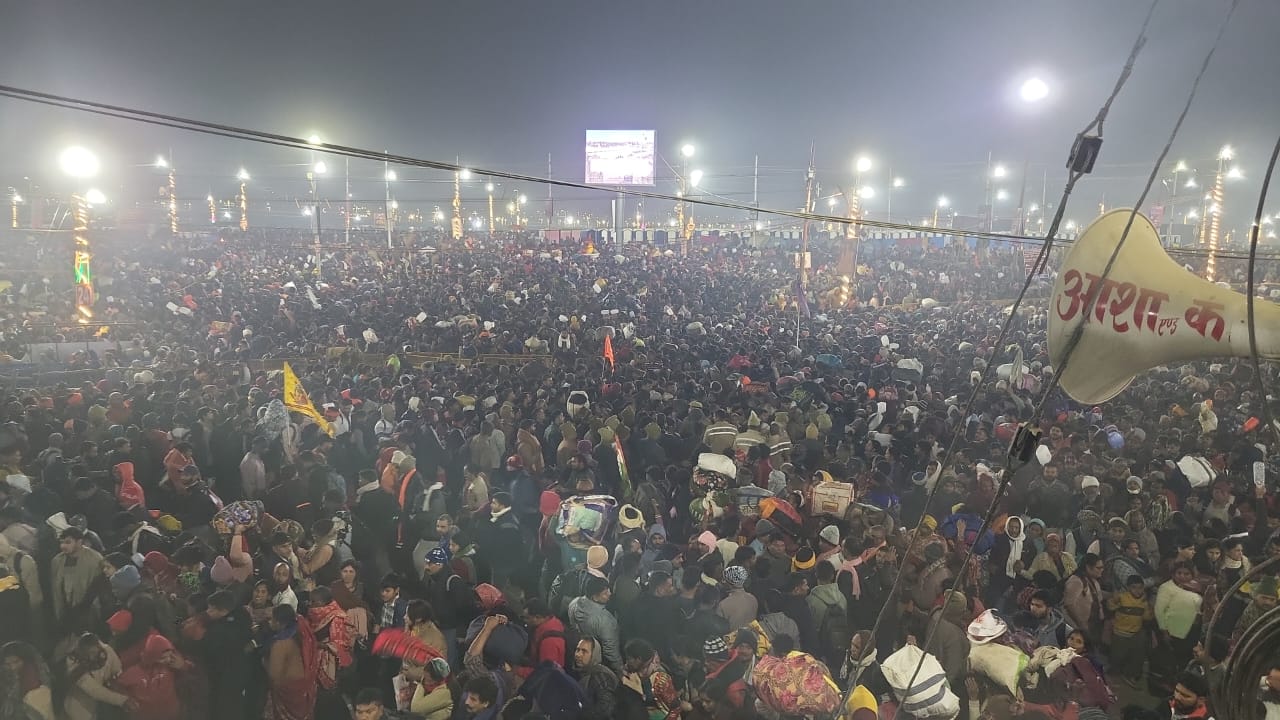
334 638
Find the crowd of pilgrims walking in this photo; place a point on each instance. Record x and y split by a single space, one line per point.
719 520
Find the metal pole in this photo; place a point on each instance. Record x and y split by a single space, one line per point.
888 208
455 225
804 241
755 190
347 238
315 210
386 202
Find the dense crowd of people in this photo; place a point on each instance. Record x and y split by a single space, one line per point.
623 487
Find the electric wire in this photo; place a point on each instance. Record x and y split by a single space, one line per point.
998 346
1259 385
279 140
298 143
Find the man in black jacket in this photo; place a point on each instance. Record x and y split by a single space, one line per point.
499 542
225 646
450 597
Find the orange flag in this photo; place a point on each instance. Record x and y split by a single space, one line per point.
608 351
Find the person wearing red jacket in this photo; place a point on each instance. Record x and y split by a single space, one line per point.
128 492
152 684
547 640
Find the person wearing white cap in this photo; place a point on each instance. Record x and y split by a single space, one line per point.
829 545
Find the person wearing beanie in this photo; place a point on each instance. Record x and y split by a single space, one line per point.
738 607
803 561
828 543
764 528
597 560
123 583
221 572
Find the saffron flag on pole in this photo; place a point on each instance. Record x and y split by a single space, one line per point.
296 399
608 351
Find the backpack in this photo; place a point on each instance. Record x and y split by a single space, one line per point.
554 692
507 642
567 586
835 633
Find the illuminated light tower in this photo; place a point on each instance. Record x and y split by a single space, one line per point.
488 188
82 267
388 177
81 163
687 151
163 163
243 177
456 224
14 201
942 204
847 264
1211 228
213 209
897 184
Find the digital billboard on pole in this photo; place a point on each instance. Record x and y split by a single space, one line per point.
620 157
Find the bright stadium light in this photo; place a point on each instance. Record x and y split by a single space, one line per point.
79 162
1033 90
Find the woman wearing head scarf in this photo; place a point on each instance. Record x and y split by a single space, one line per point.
24 683
1035 531
1010 562
1053 560
281 586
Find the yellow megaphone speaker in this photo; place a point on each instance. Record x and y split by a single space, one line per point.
1149 311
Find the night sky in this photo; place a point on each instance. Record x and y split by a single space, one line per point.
928 88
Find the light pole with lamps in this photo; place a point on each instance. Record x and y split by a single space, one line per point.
942 203
488 188
172 191
388 176
243 177
687 152
1210 229
14 201
81 163
896 184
